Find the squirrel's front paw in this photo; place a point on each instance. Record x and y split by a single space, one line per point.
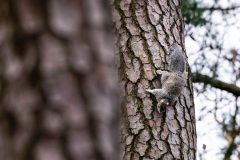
149 90
160 72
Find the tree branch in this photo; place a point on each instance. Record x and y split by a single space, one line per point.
200 78
211 9
220 8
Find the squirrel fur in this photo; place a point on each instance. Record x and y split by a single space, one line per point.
173 81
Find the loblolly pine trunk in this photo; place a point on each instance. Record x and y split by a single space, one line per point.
58 86
145 30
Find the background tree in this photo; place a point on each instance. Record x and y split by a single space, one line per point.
145 31
212 42
59 93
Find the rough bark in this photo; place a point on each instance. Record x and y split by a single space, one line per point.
145 31
58 87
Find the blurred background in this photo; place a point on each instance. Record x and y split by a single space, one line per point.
213 47
58 85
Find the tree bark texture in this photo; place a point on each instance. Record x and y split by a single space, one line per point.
58 86
145 31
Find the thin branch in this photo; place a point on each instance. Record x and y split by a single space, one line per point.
200 78
211 9
220 8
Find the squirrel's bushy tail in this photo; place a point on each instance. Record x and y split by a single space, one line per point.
176 58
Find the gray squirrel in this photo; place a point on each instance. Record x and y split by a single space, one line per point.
173 81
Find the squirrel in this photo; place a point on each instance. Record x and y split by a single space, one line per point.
173 81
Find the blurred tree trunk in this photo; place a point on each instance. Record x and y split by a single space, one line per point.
145 31
58 87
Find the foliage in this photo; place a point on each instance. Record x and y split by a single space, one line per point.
193 13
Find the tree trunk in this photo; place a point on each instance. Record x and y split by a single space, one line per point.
59 93
146 29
